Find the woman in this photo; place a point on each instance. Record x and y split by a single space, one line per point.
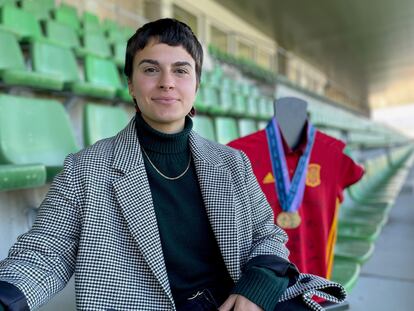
157 217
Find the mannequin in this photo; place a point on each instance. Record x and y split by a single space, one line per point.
311 225
291 115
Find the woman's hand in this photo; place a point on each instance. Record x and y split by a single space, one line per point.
239 303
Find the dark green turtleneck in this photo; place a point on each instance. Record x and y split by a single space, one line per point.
191 253
192 256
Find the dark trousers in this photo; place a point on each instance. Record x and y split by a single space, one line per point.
204 301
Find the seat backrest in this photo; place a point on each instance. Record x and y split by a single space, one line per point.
21 22
68 15
101 71
247 126
34 130
11 56
54 60
226 129
90 22
114 35
204 126
119 53
108 24
96 44
39 8
61 34
4 2
101 121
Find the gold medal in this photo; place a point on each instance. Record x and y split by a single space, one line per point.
288 220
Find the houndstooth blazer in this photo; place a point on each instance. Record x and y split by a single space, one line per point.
98 221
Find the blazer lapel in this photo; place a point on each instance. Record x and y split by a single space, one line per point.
217 190
134 196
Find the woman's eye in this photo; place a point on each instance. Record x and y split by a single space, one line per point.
181 71
150 70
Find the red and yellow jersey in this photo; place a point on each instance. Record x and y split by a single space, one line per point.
330 171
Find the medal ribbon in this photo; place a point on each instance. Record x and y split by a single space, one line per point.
290 193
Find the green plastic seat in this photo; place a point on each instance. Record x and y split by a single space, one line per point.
67 15
115 36
109 24
226 129
35 131
355 231
7 2
14 177
206 97
377 217
91 23
22 23
39 8
345 273
240 105
61 34
354 250
103 75
261 125
94 43
118 54
127 32
60 62
102 121
13 70
246 127
204 126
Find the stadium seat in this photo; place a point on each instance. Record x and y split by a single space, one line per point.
346 273
61 34
103 74
353 250
13 70
239 105
226 129
100 121
246 127
115 36
67 15
94 43
91 23
109 24
14 177
119 50
204 126
39 8
22 23
127 32
5 2
355 231
34 131
225 103
206 97
261 125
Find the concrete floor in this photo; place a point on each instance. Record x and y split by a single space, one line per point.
387 279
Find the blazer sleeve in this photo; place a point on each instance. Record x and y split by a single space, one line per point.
42 260
268 239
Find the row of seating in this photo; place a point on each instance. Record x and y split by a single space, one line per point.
365 212
54 67
44 10
36 135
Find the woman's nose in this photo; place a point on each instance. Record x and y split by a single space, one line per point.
166 81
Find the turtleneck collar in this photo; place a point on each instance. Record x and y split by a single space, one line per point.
153 140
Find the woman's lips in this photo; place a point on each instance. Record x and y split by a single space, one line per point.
165 100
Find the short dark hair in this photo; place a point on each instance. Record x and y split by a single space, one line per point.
169 31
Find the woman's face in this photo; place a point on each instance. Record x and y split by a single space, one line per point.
164 85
